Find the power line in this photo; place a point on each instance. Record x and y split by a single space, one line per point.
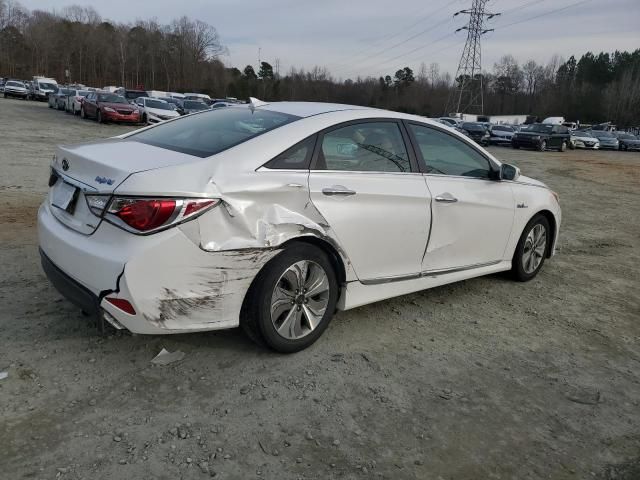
422 32
542 14
393 35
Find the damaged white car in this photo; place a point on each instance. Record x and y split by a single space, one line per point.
272 216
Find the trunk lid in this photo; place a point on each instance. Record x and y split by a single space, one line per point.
98 168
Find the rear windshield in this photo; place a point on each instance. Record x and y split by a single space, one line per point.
133 94
212 132
502 129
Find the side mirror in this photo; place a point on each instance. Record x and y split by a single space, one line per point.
509 172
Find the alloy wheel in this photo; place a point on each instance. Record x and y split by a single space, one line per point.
534 248
299 299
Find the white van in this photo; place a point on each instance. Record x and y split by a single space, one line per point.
42 87
197 96
554 120
157 93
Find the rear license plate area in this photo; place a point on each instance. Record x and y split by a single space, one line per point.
64 196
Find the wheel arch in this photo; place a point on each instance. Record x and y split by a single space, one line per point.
335 258
551 218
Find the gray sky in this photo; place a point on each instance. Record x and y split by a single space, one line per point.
376 37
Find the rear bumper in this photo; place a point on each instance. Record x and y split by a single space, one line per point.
72 290
173 285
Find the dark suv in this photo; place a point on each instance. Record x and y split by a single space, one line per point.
542 136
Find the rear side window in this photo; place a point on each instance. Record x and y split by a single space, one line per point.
212 132
297 157
364 147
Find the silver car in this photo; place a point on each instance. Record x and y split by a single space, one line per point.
606 139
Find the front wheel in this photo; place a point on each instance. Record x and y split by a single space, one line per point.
532 249
563 147
292 300
99 117
542 146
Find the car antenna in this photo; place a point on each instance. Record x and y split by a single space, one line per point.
254 103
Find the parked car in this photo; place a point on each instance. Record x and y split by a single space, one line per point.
198 96
607 139
500 135
109 107
542 136
131 95
14 88
155 110
452 122
627 141
58 100
477 131
193 106
176 102
271 216
583 139
460 130
74 102
42 87
218 104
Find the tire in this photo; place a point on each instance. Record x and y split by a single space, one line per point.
563 146
99 117
144 119
542 146
276 282
572 146
82 113
523 267
50 106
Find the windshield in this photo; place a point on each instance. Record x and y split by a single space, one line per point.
503 129
539 128
473 126
133 94
83 93
66 91
47 86
602 134
627 136
212 132
160 105
193 105
111 98
15 84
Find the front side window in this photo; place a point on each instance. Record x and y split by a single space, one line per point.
364 147
212 132
444 154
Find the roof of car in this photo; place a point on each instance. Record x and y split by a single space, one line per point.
308 109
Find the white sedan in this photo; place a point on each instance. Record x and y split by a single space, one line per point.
155 110
582 139
271 216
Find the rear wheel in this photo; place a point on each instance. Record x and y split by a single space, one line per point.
563 146
542 146
292 300
532 249
99 117
82 113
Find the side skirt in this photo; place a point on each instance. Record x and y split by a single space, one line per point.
356 294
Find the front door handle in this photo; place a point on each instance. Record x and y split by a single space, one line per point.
446 198
337 190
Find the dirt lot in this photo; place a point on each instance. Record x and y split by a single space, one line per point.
485 379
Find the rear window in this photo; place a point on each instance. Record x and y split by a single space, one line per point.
473 126
212 132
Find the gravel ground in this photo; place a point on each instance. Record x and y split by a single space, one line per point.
484 379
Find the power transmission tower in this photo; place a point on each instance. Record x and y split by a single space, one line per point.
467 97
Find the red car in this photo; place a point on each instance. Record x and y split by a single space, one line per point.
109 107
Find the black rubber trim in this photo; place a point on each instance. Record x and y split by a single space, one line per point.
73 291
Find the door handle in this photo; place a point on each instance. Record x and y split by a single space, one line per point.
337 190
446 198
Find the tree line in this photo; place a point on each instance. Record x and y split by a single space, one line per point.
77 45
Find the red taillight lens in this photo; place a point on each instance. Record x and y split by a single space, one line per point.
122 304
144 214
196 205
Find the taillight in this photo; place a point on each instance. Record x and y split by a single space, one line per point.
143 214
122 304
147 215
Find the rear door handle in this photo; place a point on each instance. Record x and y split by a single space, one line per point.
446 198
337 190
